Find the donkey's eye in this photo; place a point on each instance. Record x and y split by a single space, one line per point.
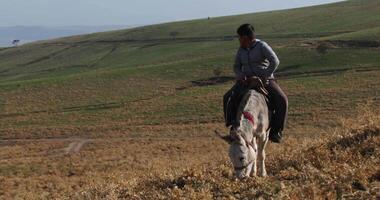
241 158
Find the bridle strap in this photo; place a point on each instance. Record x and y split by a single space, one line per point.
247 115
243 167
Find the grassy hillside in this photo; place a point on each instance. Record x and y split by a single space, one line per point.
370 34
317 20
102 69
125 48
140 100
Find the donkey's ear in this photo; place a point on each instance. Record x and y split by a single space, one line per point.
228 138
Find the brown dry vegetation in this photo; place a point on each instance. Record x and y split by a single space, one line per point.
341 163
162 146
150 146
345 164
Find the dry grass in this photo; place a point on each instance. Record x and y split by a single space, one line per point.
164 147
342 164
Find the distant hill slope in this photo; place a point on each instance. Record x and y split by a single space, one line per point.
370 34
122 48
127 75
32 33
347 16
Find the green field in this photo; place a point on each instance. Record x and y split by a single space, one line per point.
96 75
145 84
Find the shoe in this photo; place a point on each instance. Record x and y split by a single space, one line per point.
275 136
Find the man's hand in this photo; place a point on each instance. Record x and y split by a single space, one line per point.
253 79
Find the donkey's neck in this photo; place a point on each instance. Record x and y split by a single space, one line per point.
253 103
247 121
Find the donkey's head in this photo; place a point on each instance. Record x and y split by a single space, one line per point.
242 153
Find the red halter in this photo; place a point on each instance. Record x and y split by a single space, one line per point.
249 117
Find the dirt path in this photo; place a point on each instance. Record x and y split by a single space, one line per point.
75 146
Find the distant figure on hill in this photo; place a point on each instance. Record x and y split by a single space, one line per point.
15 42
256 58
174 34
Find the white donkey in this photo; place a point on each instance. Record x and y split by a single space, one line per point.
249 137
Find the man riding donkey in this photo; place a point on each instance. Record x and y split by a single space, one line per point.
255 58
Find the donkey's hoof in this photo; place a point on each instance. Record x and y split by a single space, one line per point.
263 174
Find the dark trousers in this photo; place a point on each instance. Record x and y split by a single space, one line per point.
277 98
231 102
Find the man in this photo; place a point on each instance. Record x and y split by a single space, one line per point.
256 58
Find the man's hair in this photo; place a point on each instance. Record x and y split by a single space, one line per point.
246 30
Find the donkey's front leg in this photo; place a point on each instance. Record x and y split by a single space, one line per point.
261 143
254 153
254 168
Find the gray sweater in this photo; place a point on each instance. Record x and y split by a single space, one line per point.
259 60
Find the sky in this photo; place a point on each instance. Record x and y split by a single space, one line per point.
130 12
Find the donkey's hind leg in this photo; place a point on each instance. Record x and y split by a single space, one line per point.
261 143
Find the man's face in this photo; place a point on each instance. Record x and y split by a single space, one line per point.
245 41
